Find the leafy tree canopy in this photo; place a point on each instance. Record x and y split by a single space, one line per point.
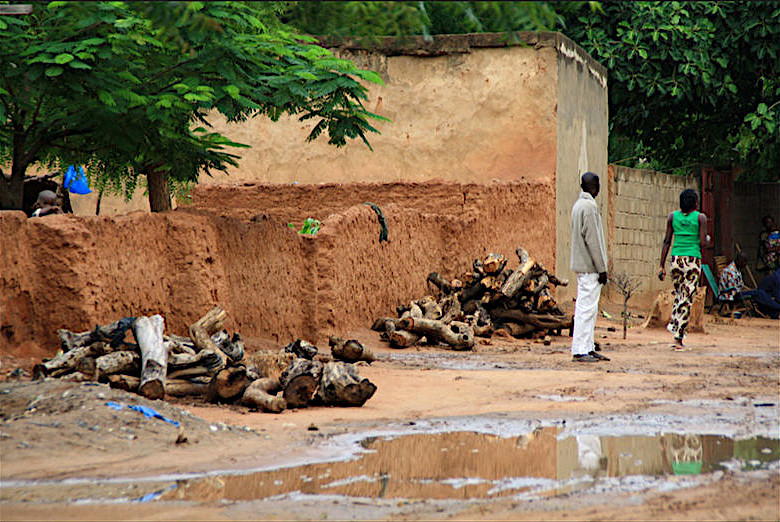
127 87
689 82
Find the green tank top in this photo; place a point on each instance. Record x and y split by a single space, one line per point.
686 234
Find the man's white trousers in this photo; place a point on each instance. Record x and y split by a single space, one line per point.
585 311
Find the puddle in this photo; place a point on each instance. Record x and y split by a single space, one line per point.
468 465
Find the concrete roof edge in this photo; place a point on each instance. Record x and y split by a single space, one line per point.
444 44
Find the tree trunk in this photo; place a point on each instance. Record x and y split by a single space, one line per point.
159 195
113 333
12 188
349 350
205 362
519 276
458 335
299 382
148 332
259 395
202 330
540 321
228 384
67 362
342 386
402 338
99 368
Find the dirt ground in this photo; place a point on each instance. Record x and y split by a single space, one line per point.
55 430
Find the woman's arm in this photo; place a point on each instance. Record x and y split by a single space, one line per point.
704 237
665 247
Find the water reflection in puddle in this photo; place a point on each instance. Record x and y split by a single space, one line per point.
459 465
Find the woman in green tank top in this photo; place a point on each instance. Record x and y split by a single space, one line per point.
688 227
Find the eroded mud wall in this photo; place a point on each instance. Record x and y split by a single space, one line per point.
75 272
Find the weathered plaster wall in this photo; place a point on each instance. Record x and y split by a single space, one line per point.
74 272
581 143
469 116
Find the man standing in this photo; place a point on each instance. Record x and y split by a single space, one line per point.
589 262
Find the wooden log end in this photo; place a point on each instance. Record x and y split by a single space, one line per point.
299 391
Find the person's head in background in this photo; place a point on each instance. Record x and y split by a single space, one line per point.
689 201
768 223
47 203
741 260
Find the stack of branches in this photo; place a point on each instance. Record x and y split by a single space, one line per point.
489 298
209 363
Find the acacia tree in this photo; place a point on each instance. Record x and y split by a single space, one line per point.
128 88
689 82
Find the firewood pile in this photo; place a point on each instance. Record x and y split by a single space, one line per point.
211 364
491 298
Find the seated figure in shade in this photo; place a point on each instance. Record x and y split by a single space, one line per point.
767 296
48 203
768 246
731 282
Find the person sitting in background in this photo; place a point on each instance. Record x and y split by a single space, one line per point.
731 283
768 246
767 296
48 203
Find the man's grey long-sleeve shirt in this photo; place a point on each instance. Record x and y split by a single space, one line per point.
588 250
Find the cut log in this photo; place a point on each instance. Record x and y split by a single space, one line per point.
430 307
302 349
269 363
342 386
99 368
205 362
148 333
300 381
113 333
202 330
349 350
381 324
519 276
402 339
173 387
494 263
540 321
124 382
66 362
451 309
185 388
227 385
232 347
517 330
259 394
458 335
439 282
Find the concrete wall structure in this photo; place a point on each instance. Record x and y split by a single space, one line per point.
642 201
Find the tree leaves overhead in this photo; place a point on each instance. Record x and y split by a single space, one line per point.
119 85
689 82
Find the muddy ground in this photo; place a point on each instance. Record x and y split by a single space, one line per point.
67 456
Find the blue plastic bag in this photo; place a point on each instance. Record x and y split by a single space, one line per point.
76 183
148 412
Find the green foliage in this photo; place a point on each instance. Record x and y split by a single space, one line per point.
369 20
128 87
689 82
310 226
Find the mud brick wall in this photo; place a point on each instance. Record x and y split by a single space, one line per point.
74 272
751 202
641 202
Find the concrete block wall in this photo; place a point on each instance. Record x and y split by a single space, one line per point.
640 204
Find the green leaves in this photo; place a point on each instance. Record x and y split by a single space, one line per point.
126 87
310 226
685 79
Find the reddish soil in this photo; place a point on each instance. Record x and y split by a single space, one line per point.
516 379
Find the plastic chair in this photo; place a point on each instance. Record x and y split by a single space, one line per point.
716 292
